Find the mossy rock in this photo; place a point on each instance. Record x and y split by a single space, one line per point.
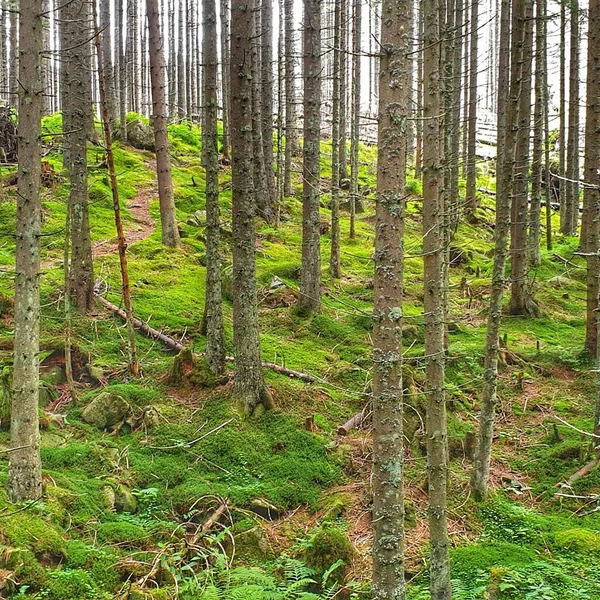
577 540
30 532
191 370
252 545
328 546
26 570
101 563
69 584
125 501
106 410
123 533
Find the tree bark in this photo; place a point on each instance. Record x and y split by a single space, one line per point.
13 85
520 299
572 185
123 103
355 125
481 466
168 218
591 193
77 100
249 387
291 138
266 67
134 367
437 442
225 41
213 311
564 224
181 104
24 463
334 259
106 32
471 190
388 445
309 300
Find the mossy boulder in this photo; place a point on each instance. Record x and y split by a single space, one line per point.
577 541
139 134
106 410
252 544
125 501
25 569
328 546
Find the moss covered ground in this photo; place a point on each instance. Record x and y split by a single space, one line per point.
123 511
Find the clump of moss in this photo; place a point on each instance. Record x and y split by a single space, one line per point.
28 531
577 541
467 560
328 546
26 570
101 564
72 583
124 533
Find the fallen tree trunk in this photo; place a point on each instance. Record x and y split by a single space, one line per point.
354 422
172 344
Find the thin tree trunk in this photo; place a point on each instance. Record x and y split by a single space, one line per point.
134 367
291 138
355 126
572 187
334 259
564 223
521 302
24 464
471 190
225 74
591 195
77 101
250 388
168 218
266 67
388 443
481 466
122 71
437 443
344 91
213 310
418 111
106 32
309 300
46 58
172 61
13 85
181 105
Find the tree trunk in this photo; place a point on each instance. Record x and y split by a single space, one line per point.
134 367
168 218
344 90
181 105
309 300
249 387
77 100
106 32
564 224
24 464
355 126
418 111
437 443
334 260
481 467
46 59
533 246
388 445
572 185
122 72
213 311
291 138
172 61
266 67
591 191
471 190
225 74
13 71
520 301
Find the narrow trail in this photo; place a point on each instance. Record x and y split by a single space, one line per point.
142 225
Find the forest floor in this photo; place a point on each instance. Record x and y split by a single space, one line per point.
183 498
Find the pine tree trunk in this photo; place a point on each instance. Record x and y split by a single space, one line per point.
388 444
471 190
572 187
46 59
213 311
123 103
13 85
225 41
481 466
168 218
437 443
263 200
106 32
266 67
172 61
181 105
419 105
334 259
344 91
134 367
355 126
591 192
3 58
520 301
249 387
291 138
533 245
564 223
77 100
24 464
309 301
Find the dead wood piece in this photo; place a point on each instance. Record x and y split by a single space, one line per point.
587 468
354 422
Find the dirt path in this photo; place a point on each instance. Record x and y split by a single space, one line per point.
142 226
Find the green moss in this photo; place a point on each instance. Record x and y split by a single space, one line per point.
30 532
101 564
577 540
69 584
327 546
120 532
466 560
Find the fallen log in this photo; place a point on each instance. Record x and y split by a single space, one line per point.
354 422
172 344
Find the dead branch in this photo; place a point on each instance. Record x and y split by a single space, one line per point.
354 422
